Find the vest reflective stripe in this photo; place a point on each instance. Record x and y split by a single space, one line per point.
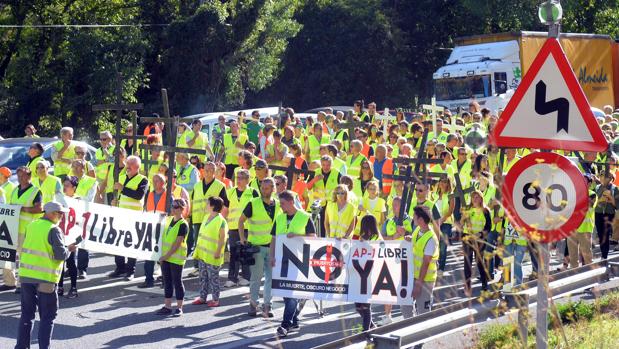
208 238
47 188
169 237
237 204
199 199
297 224
339 222
32 164
353 167
419 246
130 203
322 192
103 166
26 200
387 170
444 209
84 185
314 146
61 168
37 256
150 202
588 223
260 223
122 176
478 220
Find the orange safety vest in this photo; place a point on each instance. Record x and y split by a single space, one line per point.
300 187
366 150
387 169
150 203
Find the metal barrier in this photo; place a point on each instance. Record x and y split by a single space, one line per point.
442 319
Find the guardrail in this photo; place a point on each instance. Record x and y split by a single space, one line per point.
442 319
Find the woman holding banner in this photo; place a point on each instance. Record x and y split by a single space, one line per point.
367 232
174 252
69 186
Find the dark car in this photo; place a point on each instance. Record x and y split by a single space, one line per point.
14 151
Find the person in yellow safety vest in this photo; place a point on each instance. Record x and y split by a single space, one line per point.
440 136
289 224
187 174
462 168
359 113
29 198
340 215
395 229
132 194
511 158
245 162
368 232
172 260
63 152
87 186
49 185
199 140
208 187
127 144
516 246
6 185
106 188
80 154
261 169
354 160
221 128
260 214
154 168
579 243
30 132
238 196
184 133
425 262
323 182
442 213
338 163
372 204
477 226
104 156
35 153
312 146
341 134
233 143
39 270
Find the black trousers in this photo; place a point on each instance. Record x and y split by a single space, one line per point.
471 246
72 268
172 280
125 265
604 227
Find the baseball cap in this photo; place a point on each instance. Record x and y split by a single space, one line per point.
5 171
53 206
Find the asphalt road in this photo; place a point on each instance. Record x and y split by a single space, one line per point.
113 313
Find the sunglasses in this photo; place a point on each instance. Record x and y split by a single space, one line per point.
104 139
340 193
420 190
260 167
279 183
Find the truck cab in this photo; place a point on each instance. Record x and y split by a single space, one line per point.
484 72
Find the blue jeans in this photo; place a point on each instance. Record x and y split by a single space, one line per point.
48 308
262 267
490 248
149 271
517 251
290 312
443 243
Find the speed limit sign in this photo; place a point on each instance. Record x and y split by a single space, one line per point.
545 196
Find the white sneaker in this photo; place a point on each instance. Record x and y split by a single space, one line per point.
229 284
243 282
385 321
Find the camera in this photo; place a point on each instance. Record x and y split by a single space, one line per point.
246 253
315 207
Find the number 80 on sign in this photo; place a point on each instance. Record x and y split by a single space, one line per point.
545 196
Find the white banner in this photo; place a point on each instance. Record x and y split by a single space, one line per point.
114 230
9 224
366 272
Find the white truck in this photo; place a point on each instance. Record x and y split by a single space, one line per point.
488 68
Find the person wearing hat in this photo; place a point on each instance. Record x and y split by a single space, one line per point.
34 152
49 185
40 268
261 169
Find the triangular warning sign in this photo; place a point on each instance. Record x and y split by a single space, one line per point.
549 110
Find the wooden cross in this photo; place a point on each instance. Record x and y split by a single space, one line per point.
453 126
412 178
119 107
351 125
434 110
171 125
290 170
385 118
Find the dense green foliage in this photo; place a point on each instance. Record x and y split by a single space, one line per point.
223 54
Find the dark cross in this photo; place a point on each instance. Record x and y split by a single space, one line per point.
459 192
171 148
120 108
290 170
499 192
350 125
412 178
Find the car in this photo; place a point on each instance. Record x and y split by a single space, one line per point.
14 151
344 109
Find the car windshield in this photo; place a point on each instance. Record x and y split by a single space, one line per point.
15 156
450 89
